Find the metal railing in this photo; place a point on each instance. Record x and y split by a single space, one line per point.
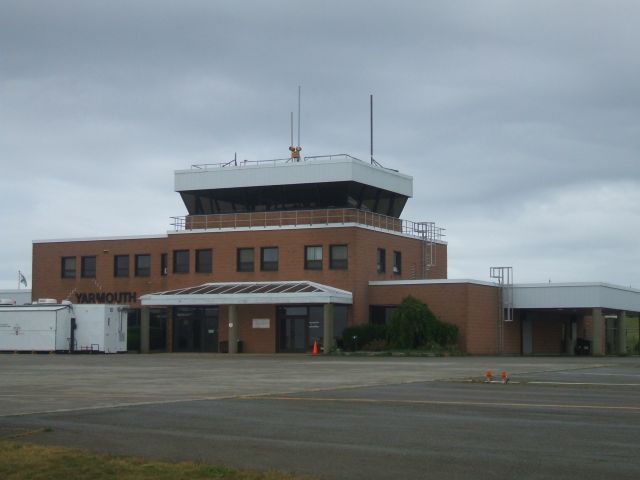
269 163
426 231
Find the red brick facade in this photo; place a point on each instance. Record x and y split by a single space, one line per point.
471 306
362 245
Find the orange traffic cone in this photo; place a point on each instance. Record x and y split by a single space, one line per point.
504 376
488 376
315 347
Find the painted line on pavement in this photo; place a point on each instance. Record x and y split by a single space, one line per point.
443 402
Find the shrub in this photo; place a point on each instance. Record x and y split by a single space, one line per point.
376 346
414 325
356 337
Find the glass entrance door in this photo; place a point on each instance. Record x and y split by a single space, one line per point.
195 329
210 330
293 334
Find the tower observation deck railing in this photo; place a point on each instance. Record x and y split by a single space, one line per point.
270 163
426 231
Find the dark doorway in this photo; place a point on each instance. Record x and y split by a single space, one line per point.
293 335
195 329
300 326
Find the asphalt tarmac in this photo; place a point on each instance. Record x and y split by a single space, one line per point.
359 418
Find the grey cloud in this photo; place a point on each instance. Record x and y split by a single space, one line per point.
496 108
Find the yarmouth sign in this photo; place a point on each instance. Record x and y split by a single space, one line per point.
106 297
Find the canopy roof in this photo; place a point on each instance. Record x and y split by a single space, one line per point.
250 293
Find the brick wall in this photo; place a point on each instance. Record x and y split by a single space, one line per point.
362 246
47 264
255 340
472 307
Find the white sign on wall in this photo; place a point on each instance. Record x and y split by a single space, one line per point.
261 323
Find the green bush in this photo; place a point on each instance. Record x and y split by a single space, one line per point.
414 325
356 337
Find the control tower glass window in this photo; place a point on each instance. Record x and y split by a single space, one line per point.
269 259
338 257
313 257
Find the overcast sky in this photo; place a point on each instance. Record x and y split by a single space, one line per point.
519 121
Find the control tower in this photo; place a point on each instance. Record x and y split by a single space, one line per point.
312 183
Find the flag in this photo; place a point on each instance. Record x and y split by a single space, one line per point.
23 280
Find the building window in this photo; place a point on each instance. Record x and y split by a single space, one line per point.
163 264
121 266
143 265
68 267
245 260
313 257
269 259
88 267
338 257
382 260
181 261
204 260
397 262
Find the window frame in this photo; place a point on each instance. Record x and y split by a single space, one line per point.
164 264
144 271
67 273
120 270
85 272
397 262
245 266
381 260
208 268
338 263
269 265
180 266
313 264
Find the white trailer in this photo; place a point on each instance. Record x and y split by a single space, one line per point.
35 328
100 328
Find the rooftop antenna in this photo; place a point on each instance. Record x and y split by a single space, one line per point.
291 129
371 124
299 93
373 161
295 149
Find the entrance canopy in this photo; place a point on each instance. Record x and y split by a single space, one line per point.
250 293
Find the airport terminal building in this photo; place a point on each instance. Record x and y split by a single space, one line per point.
276 255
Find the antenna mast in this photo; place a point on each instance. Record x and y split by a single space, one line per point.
295 149
299 92
371 124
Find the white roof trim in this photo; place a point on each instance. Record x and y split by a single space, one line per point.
98 239
326 294
435 281
292 173
578 284
576 295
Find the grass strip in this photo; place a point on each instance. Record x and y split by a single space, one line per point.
24 461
